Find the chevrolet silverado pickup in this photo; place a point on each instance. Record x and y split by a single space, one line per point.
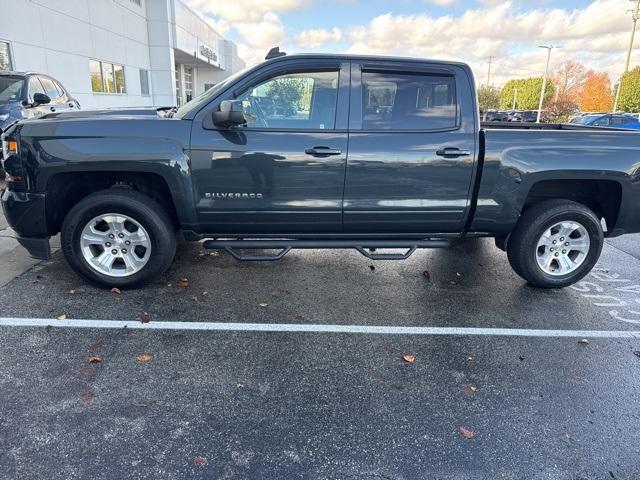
319 151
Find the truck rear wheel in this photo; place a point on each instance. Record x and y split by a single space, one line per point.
555 243
118 238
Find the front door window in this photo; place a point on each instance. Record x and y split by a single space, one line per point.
299 101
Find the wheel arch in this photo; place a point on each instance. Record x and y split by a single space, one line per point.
66 189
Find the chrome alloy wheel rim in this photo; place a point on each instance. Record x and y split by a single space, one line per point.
115 245
563 248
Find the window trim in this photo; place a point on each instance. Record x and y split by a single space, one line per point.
274 70
357 69
102 79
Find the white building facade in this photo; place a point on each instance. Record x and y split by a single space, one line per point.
116 53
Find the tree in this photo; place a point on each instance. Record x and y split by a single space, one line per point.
560 111
629 100
528 95
488 97
569 79
596 94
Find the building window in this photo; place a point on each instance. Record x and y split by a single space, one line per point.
5 56
107 77
188 83
144 82
178 86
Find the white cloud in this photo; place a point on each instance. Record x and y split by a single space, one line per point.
318 37
441 3
246 11
596 35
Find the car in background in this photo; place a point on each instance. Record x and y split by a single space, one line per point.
524 116
613 120
496 116
28 95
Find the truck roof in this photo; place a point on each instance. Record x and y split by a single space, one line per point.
344 56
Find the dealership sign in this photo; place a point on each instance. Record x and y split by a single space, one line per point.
208 53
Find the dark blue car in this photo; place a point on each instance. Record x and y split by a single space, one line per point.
610 120
29 95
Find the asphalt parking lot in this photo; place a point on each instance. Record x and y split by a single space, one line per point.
327 404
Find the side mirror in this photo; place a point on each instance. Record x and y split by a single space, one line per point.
231 114
40 99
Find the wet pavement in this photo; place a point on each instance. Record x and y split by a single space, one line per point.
228 404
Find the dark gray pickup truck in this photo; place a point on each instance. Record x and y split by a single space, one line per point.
319 151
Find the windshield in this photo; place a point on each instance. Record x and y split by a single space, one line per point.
204 98
10 88
585 119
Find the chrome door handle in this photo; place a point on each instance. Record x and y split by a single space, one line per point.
322 151
452 152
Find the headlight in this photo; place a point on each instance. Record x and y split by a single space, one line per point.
26 113
3 117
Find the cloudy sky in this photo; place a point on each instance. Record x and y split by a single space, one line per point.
595 32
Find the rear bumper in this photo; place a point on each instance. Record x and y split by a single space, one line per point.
25 213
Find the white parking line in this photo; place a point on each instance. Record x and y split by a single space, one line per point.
315 328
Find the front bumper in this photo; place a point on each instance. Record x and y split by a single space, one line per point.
25 213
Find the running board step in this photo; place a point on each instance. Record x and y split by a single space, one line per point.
365 247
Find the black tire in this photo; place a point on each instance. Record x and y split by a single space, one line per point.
523 242
143 209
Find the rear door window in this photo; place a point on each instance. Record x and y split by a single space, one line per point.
408 101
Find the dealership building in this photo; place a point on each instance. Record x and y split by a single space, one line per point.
117 53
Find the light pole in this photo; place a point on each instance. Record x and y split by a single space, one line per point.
544 79
635 15
489 71
515 97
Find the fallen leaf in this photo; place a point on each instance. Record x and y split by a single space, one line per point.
200 460
144 317
409 358
637 354
468 389
264 305
86 398
93 348
194 299
565 437
426 274
87 395
468 359
145 357
583 341
458 274
117 291
95 359
183 283
465 432
372 268
204 294
72 291
62 317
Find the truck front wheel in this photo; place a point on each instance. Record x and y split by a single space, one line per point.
555 243
118 238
